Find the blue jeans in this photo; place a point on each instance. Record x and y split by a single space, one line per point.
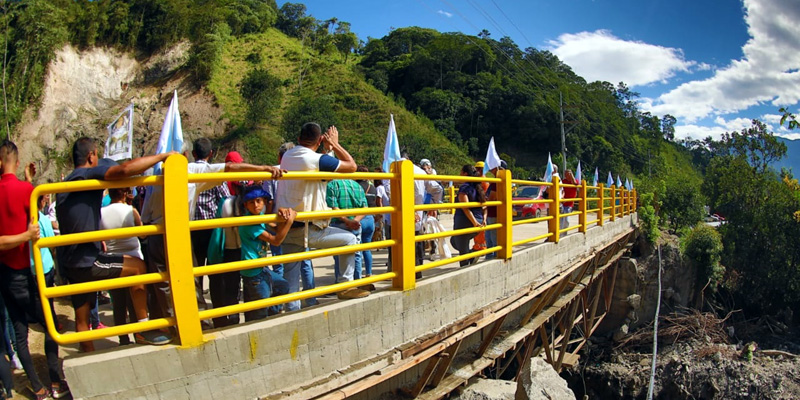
306 273
358 255
262 286
329 237
564 221
367 230
491 237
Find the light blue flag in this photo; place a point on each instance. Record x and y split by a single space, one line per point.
628 184
492 159
579 175
619 182
171 138
596 175
391 152
548 173
610 180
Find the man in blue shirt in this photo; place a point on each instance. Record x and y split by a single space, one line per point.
85 262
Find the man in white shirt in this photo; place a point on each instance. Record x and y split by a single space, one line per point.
309 195
153 213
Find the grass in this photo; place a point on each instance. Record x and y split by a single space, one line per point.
363 111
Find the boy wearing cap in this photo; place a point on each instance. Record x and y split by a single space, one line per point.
261 283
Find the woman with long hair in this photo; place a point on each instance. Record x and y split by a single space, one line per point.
471 217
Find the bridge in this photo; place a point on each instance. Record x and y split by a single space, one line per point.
546 292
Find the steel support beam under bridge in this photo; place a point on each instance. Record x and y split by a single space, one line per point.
559 316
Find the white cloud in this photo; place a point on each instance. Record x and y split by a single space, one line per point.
445 13
699 132
767 74
790 136
704 67
600 56
736 124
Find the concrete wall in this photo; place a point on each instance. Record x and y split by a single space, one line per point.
315 346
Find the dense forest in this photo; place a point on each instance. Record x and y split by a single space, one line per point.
273 68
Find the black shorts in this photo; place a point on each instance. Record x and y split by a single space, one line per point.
106 266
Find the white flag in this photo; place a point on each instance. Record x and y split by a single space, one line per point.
391 152
492 159
171 138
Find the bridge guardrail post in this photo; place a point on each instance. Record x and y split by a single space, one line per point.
452 191
613 203
627 202
601 205
582 207
634 200
178 248
553 224
403 260
504 215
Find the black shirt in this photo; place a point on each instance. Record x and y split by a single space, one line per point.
80 212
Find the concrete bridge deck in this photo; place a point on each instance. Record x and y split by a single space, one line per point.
319 351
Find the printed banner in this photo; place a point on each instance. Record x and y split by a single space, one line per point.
119 145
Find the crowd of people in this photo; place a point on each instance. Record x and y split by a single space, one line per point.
86 211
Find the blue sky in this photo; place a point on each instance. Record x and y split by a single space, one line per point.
714 65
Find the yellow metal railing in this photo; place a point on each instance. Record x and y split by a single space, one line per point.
176 229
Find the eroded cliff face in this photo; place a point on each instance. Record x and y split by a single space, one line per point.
636 289
85 90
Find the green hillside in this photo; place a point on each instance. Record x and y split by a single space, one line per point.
360 111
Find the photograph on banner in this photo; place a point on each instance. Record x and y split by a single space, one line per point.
119 145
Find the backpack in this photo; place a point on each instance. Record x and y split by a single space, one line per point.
216 245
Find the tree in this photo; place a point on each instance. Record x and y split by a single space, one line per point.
756 145
668 127
263 94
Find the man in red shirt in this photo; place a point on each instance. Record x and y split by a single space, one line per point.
17 284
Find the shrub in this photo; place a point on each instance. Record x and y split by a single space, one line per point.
648 217
263 94
702 246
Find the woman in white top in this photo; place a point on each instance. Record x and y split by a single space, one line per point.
119 214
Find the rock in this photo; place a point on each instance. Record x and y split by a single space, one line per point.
539 381
620 333
634 300
489 389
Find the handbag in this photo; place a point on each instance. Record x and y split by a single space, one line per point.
433 225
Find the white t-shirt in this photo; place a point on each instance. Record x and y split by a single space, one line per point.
153 210
119 215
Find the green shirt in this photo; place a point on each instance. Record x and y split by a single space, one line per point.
252 247
345 194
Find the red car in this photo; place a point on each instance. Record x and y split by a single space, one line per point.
529 210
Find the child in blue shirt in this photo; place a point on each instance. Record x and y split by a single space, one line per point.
261 283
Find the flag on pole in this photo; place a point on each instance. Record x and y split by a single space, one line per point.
171 138
610 180
579 176
548 173
119 144
619 182
596 175
627 184
492 159
391 152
